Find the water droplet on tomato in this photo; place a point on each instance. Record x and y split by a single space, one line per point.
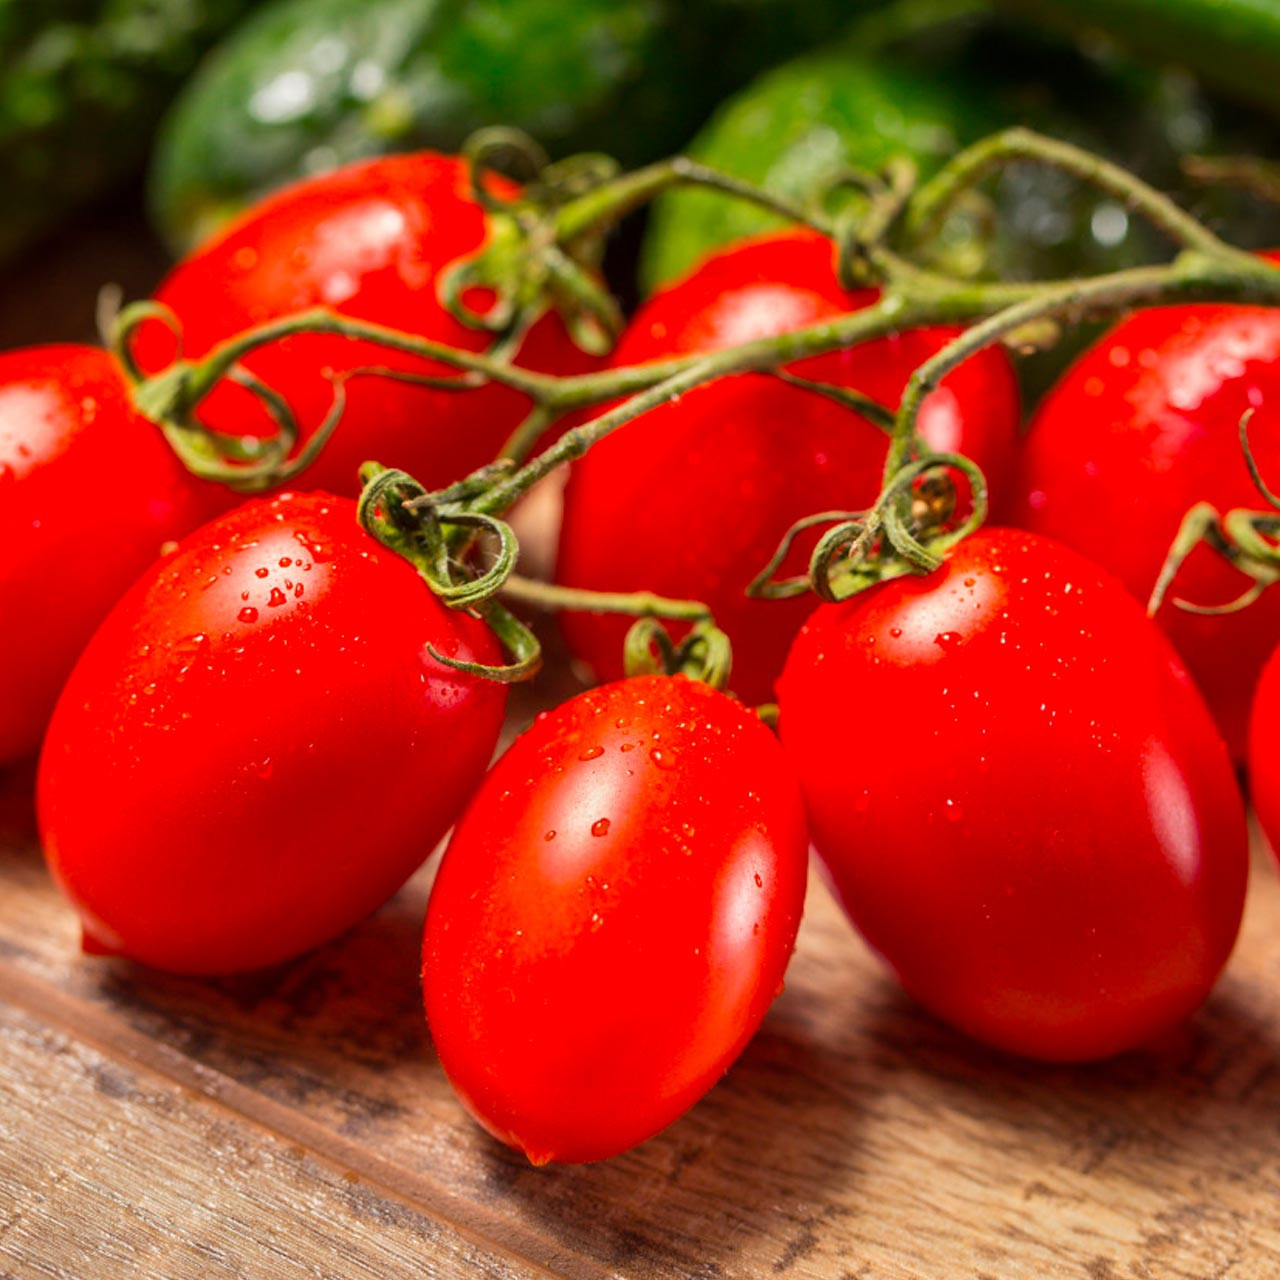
276 599
261 573
248 614
948 639
663 757
759 881
550 835
591 753
600 827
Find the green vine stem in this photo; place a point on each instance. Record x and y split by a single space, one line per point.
1259 177
877 248
1245 539
543 252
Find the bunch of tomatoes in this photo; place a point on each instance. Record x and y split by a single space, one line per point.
258 719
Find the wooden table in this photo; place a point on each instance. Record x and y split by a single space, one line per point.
296 1123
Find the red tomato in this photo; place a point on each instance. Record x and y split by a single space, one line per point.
614 916
1140 429
89 493
693 499
1264 759
256 749
1039 830
370 241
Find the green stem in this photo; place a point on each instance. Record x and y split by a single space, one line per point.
608 203
934 200
1227 275
635 604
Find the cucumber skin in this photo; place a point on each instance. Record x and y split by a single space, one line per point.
1231 45
633 78
83 87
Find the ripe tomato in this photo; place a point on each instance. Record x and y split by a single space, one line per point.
1140 429
1264 759
89 493
370 241
1042 834
614 916
256 748
693 499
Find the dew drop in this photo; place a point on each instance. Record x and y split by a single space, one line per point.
277 598
261 573
248 614
600 827
550 835
591 753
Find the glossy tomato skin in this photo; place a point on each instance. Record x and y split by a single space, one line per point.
613 916
256 749
693 499
89 493
1043 835
1140 429
1264 759
369 241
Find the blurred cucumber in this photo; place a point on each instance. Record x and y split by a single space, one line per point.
794 128
1231 45
82 86
308 84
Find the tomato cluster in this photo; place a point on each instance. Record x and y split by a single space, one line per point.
267 715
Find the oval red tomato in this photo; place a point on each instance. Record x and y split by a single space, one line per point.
89 493
692 499
369 241
1264 758
1020 798
614 916
1140 429
256 749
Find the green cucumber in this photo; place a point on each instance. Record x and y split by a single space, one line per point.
307 84
1231 45
794 128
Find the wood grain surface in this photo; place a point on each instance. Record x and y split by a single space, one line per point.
296 1123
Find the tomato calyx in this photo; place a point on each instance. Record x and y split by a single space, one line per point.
527 266
705 654
423 528
909 529
1248 540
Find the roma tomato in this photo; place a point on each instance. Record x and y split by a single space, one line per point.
1264 758
692 499
370 241
256 748
1139 430
614 916
1042 836
89 493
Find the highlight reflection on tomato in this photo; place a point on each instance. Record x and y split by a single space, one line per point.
256 749
613 916
1042 834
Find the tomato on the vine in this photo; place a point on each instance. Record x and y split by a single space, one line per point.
613 916
1041 831
89 494
692 499
1140 429
369 241
257 748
